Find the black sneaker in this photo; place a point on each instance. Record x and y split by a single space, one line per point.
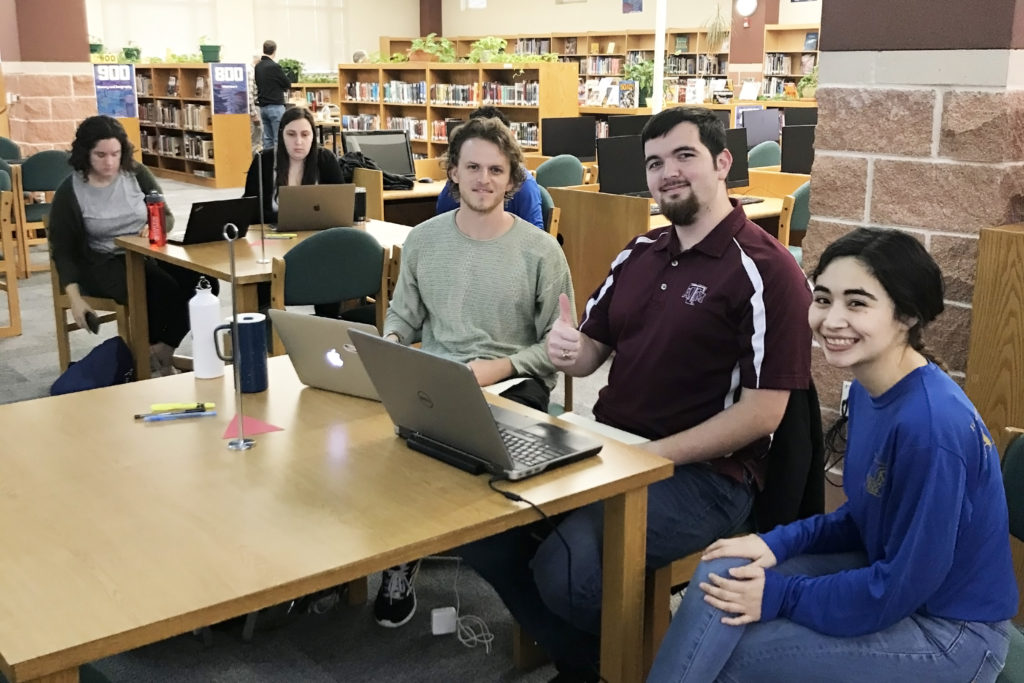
396 599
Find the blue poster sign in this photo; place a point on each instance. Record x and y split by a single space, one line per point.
230 83
115 90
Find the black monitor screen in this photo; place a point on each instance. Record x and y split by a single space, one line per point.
627 125
573 135
389 148
621 165
761 125
723 116
800 116
736 143
450 125
797 149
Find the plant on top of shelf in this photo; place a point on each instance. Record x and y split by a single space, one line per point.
320 77
807 85
292 68
95 45
717 32
209 50
487 49
131 52
432 49
641 71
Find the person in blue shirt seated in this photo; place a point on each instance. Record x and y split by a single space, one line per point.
911 579
525 203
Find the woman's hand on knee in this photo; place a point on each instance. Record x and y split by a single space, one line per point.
750 547
740 595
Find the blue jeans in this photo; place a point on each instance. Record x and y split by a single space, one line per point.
684 514
270 117
700 648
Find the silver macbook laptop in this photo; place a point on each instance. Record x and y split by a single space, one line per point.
315 207
439 409
207 219
322 353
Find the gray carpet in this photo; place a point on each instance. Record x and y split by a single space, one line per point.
342 645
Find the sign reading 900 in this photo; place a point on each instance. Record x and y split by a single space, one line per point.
228 73
114 72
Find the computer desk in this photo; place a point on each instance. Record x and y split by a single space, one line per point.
412 206
212 259
119 533
762 213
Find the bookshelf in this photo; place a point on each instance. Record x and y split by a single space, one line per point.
790 52
180 137
315 94
419 96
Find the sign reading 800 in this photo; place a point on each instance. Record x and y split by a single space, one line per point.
228 73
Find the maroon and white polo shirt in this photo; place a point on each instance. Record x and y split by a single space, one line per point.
691 329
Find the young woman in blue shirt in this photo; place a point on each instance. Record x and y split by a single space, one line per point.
911 579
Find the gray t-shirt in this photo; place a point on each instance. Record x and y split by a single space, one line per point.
112 211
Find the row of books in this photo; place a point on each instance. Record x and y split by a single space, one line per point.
144 86
367 92
198 147
417 128
526 133
525 93
604 65
533 46
781 64
616 92
453 94
360 121
189 117
438 131
402 92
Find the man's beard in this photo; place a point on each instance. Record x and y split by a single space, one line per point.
682 211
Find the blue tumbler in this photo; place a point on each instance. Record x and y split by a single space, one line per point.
249 351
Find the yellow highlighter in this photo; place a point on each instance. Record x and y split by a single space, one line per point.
281 235
165 407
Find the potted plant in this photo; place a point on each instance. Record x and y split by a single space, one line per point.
431 49
487 49
210 52
95 45
641 71
131 52
808 85
292 69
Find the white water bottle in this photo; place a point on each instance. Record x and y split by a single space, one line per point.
204 315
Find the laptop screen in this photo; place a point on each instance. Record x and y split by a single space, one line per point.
389 148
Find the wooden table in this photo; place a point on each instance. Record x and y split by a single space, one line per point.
212 259
412 206
761 213
118 534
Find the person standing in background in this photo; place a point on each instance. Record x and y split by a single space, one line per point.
271 87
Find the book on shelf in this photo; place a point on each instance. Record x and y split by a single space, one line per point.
172 86
807 63
595 48
570 46
694 93
672 90
627 94
200 86
611 47
609 93
811 41
682 44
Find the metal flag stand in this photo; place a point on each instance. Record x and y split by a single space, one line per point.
240 443
263 226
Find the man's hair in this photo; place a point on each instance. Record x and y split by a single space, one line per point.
91 131
269 47
710 128
493 131
490 112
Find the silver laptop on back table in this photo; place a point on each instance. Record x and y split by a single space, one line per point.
315 207
322 352
439 409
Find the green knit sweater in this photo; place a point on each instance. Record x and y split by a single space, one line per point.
467 299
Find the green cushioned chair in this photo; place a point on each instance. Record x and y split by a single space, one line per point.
767 153
560 171
9 149
1013 482
41 172
799 217
549 211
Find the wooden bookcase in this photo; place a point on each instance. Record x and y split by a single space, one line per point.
318 93
180 136
787 58
419 96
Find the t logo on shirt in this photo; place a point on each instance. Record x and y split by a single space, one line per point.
695 294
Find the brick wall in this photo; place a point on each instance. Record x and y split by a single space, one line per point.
49 108
938 161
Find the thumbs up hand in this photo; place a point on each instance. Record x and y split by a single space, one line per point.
564 339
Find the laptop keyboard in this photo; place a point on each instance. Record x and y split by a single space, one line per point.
527 451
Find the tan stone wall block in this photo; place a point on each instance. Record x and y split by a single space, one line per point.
19 129
30 149
43 85
74 108
983 126
948 336
820 234
50 132
880 121
829 383
948 197
839 187
84 86
32 109
958 258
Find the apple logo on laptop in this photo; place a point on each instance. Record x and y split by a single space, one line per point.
334 358
316 207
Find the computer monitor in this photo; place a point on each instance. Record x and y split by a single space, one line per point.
629 124
389 148
575 135
450 125
800 116
797 149
736 143
761 125
621 162
723 116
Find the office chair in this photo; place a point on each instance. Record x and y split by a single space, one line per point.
550 212
794 218
9 149
767 153
560 171
41 172
8 258
1013 482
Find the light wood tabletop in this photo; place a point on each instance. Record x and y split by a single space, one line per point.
419 191
769 208
118 533
212 259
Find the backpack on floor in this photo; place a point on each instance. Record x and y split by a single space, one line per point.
107 364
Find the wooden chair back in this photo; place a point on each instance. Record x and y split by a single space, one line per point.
373 181
106 311
430 168
42 172
785 218
9 264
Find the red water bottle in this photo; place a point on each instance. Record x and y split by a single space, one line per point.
155 219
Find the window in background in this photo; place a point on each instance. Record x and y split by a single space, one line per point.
307 30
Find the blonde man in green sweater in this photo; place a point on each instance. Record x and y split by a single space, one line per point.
478 285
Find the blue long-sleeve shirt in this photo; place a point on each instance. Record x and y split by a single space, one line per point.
925 501
525 203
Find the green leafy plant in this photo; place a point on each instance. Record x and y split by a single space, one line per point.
320 77
641 71
292 68
205 40
95 45
441 48
131 52
487 49
717 32
807 85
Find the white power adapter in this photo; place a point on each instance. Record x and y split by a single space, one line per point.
442 620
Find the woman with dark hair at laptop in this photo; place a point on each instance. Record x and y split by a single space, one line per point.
297 159
102 199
